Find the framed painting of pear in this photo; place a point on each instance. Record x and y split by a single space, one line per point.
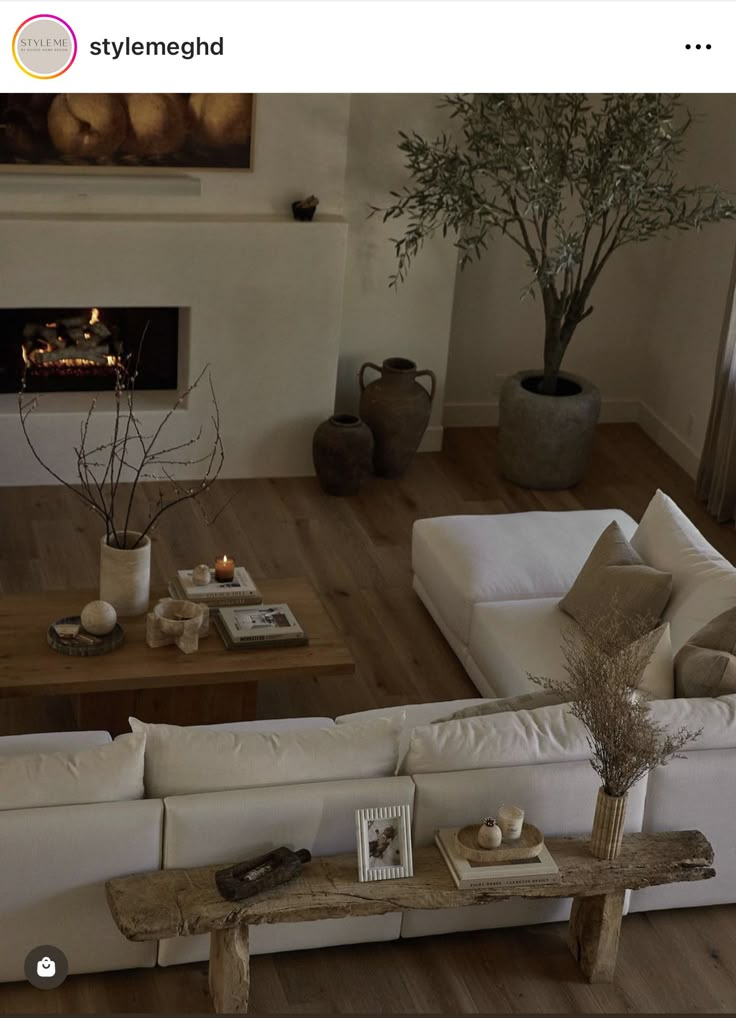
104 130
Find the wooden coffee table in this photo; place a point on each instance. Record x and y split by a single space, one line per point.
180 903
164 685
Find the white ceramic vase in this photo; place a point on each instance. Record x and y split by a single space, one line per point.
125 575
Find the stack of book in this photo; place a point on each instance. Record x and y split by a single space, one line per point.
240 590
542 869
268 625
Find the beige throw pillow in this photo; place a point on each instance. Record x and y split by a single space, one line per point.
615 572
524 701
706 665
658 679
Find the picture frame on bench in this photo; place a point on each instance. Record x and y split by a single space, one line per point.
384 843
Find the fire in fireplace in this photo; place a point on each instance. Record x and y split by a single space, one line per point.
82 349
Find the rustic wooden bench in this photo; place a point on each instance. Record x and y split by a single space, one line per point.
180 903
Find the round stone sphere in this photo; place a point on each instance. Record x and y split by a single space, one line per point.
201 575
99 618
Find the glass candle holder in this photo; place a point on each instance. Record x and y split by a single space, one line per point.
224 569
511 820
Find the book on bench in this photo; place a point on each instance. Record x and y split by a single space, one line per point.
465 873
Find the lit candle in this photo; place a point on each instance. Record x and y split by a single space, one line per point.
224 569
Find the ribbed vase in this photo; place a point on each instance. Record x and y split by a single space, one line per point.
125 575
608 825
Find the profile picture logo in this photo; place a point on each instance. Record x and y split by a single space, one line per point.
44 46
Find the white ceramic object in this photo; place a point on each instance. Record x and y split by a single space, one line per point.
489 834
179 622
511 821
201 575
125 575
98 618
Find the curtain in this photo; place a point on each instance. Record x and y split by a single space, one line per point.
716 481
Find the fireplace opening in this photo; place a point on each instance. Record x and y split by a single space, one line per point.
81 349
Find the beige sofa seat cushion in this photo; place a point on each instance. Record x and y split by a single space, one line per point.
706 665
460 561
220 826
615 573
510 640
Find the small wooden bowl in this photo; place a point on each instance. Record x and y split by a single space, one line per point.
528 846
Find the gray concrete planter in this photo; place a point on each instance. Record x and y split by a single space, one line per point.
544 441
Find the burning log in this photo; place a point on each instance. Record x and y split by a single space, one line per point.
98 354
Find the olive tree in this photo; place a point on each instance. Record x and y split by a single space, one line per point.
568 178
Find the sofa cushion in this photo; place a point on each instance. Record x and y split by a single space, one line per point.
552 735
107 773
614 573
545 735
704 582
52 742
706 665
511 640
224 827
410 715
54 863
180 761
463 560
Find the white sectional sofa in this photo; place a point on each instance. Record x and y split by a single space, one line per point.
54 859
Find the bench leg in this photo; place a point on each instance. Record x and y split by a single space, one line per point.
230 970
595 925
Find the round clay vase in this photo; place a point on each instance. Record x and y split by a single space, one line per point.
544 441
396 408
489 834
342 448
125 575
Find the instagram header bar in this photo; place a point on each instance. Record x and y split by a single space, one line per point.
369 45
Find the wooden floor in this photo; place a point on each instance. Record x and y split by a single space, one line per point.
357 553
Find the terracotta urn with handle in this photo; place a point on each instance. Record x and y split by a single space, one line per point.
396 408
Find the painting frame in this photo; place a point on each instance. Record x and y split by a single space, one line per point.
375 856
117 167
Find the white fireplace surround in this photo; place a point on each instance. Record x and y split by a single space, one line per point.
262 299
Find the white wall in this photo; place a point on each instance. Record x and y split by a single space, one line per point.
689 301
274 306
495 333
265 302
414 319
650 344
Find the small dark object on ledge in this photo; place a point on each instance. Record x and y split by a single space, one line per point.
245 879
304 210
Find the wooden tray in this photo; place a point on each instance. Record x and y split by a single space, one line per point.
528 846
103 644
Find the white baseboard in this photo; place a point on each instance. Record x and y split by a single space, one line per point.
471 415
667 439
432 440
613 411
